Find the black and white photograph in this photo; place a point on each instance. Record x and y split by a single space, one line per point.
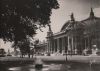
49 35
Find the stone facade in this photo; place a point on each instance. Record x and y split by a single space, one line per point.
75 36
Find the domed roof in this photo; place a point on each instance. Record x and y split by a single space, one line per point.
65 25
92 23
71 24
91 19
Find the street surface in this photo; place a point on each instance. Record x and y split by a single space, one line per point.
74 58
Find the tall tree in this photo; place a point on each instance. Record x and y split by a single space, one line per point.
20 19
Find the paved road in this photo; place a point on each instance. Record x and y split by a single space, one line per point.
75 58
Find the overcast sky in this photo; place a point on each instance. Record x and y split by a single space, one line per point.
80 8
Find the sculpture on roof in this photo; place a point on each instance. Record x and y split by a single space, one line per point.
72 17
91 13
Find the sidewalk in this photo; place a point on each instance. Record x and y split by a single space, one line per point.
74 58
15 59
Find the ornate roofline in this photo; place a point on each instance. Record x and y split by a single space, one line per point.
92 16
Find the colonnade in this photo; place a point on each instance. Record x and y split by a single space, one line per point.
57 45
62 45
69 44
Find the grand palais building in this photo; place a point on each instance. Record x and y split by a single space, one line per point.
75 36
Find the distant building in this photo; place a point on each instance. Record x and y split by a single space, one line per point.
40 47
75 36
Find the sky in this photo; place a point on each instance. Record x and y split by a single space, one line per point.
80 8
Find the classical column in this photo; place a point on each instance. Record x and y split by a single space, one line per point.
48 46
72 48
68 45
88 42
75 41
85 43
51 46
64 40
58 47
54 47
60 43
63 44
